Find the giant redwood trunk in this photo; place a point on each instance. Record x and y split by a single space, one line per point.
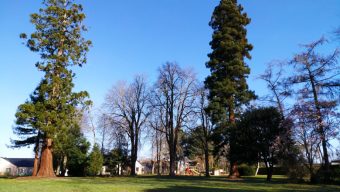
36 155
46 162
233 173
35 164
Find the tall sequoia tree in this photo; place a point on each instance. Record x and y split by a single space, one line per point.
57 38
227 81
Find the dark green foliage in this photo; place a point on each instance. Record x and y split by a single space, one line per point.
276 171
117 158
227 85
53 108
27 120
227 82
335 172
95 161
58 40
192 143
246 170
257 137
294 164
72 146
77 157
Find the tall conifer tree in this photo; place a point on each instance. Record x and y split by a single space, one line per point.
53 106
228 89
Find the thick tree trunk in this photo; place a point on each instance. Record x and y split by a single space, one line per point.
321 130
234 170
172 162
269 173
35 164
257 168
233 164
133 163
46 163
58 168
133 168
63 170
159 146
36 155
206 159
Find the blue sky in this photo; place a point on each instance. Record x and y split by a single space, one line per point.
135 37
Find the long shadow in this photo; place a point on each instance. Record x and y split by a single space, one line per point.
218 179
211 189
191 189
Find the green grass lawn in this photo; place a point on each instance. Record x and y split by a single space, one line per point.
154 184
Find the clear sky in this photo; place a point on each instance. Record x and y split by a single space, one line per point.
135 37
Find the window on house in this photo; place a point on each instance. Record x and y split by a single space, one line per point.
8 170
137 169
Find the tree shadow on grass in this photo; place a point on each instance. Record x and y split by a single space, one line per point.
217 179
192 189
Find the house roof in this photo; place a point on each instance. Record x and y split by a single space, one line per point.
21 162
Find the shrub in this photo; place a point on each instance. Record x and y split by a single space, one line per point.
95 162
246 170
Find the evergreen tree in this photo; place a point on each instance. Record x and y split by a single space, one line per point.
77 155
95 161
57 38
26 127
258 137
227 81
70 145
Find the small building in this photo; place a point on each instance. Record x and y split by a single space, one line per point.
335 162
139 168
16 166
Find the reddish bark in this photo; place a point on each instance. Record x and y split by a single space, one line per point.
35 165
46 162
234 171
36 155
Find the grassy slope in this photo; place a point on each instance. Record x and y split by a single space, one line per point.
154 184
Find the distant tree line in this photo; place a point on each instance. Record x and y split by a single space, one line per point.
219 118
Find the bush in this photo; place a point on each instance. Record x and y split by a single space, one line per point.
246 170
335 172
297 173
95 162
276 171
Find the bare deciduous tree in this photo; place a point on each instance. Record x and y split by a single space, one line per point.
173 100
318 80
276 85
306 135
158 148
204 130
127 106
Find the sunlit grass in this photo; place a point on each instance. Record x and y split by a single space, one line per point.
154 184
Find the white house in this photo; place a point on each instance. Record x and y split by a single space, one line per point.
139 168
16 166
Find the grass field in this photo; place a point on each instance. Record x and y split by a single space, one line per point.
154 184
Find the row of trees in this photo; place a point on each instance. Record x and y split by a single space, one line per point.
216 117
